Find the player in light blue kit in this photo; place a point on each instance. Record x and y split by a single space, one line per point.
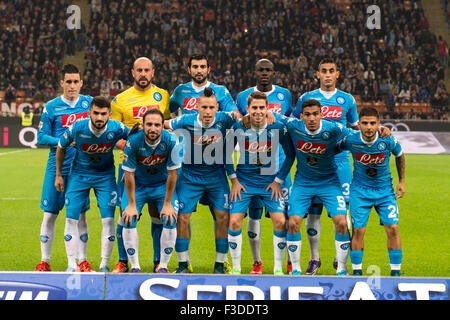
59 114
279 102
203 173
184 100
372 187
93 167
337 106
315 142
260 159
151 161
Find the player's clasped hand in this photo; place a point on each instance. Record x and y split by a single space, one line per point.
400 190
129 214
59 183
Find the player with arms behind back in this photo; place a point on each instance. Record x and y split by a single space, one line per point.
337 106
59 114
279 102
203 173
93 168
372 187
128 107
260 159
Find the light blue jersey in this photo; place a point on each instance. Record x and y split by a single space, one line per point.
261 154
94 152
58 115
185 97
279 100
203 147
315 151
371 160
150 163
339 107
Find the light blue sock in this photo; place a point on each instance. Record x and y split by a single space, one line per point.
156 237
356 257
121 248
395 258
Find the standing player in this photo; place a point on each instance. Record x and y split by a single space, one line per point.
253 178
185 96
59 114
129 107
280 102
93 168
151 161
372 187
203 173
184 99
337 106
315 142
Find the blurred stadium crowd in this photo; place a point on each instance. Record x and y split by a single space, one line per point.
402 62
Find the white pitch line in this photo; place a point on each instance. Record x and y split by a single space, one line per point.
11 152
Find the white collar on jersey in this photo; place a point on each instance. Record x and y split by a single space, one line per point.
328 94
313 133
72 104
153 146
368 143
202 125
95 132
258 130
267 93
198 89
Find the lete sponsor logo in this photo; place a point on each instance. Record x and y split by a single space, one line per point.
274 107
332 112
96 148
370 159
258 147
138 112
311 148
152 160
68 119
12 290
190 104
207 139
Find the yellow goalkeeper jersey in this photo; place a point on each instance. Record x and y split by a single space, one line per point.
130 105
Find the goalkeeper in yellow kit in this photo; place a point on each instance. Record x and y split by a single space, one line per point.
129 107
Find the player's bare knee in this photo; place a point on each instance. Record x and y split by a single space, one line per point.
294 224
392 231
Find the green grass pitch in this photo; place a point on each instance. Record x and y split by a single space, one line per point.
424 224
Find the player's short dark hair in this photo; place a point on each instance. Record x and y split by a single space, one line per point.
327 60
256 95
198 56
101 102
207 93
69 68
153 111
369 112
311 103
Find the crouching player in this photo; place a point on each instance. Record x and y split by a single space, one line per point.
150 164
260 160
372 187
92 168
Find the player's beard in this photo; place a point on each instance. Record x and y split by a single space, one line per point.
138 82
98 125
152 137
199 80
